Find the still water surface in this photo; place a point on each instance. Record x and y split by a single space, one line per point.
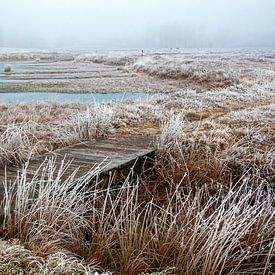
69 98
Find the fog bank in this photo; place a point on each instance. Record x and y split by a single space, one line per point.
111 24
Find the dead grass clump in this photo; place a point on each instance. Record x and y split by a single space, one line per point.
192 152
230 231
213 154
45 114
191 233
17 143
45 209
92 123
205 73
15 259
253 151
257 116
169 149
110 60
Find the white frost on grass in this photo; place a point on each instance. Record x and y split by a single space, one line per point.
262 115
17 143
92 123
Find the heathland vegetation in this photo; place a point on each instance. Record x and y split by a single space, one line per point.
206 207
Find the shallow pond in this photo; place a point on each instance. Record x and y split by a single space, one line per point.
69 98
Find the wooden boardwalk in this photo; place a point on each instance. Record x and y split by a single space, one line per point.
114 154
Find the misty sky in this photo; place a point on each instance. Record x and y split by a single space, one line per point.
112 24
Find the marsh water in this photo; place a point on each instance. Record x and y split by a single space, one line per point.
47 73
69 98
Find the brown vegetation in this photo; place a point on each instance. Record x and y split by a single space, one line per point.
207 206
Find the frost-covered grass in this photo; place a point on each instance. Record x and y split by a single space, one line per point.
145 225
26 54
207 207
263 115
206 73
113 59
217 153
153 71
45 209
28 129
17 143
92 123
16 259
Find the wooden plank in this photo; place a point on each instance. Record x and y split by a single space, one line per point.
114 154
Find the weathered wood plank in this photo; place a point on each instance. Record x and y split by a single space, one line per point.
117 153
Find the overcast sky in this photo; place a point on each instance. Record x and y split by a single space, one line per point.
110 24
